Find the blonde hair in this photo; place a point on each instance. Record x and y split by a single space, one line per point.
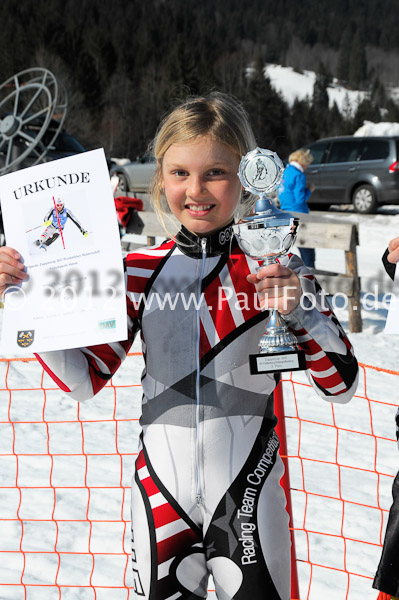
216 115
302 156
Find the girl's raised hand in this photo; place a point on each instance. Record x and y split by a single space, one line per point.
278 287
11 270
393 248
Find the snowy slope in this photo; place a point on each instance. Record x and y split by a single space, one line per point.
292 85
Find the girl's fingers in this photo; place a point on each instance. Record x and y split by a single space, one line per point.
393 256
11 269
394 243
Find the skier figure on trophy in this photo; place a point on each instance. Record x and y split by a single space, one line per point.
55 220
261 170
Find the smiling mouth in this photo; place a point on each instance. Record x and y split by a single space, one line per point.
199 207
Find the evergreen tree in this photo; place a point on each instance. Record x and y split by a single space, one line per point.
301 130
392 114
336 122
366 111
320 103
357 76
344 55
378 94
267 111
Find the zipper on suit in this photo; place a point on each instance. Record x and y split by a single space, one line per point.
198 493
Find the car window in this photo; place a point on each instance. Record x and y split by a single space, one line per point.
317 150
374 149
343 151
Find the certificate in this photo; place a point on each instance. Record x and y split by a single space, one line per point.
60 216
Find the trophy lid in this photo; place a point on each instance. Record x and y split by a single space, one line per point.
260 171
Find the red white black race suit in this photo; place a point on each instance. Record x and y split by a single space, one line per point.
206 496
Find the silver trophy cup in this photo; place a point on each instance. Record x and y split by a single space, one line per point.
265 235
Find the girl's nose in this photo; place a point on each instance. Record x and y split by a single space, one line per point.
195 187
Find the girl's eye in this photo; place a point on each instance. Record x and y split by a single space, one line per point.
215 172
180 173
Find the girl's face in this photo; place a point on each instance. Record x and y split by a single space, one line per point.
201 184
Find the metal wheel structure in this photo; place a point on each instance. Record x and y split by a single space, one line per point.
28 102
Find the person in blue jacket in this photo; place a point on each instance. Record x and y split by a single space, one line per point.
293 193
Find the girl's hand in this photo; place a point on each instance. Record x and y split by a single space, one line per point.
11 270
278 287
393 248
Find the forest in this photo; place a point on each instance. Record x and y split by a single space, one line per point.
126 62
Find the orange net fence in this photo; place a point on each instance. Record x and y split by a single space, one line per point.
342 459
65 471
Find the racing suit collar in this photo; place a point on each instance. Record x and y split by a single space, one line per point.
217 243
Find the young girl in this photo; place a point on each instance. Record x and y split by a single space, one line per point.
293 193
206 496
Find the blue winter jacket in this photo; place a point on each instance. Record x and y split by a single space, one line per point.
292 191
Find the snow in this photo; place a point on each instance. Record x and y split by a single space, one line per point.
293 85
384 128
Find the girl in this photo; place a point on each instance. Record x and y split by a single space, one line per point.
294 194
206 496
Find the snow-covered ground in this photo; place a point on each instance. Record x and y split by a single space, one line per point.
294 85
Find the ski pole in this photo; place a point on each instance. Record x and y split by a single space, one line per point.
41 225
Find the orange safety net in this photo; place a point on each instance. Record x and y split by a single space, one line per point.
342 459
65 471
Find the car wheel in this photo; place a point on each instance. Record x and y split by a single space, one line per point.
364 199
123 187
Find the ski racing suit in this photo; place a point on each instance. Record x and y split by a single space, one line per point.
206 496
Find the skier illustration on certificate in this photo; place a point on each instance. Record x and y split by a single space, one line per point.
54 222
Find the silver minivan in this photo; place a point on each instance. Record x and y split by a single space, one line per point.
363 171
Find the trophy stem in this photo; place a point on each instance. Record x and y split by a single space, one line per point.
276 337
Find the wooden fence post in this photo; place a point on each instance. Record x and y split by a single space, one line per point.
354 306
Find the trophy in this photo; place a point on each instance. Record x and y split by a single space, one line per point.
266 235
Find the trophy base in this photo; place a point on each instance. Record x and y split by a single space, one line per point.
277 362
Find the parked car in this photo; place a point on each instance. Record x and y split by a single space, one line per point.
363 171
135 176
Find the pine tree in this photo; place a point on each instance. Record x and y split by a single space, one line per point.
320 103
392 114
343 56
336 122
357 76
378 94
301 129
366 111
268 112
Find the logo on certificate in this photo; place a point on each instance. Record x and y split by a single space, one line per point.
25 338
111 324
